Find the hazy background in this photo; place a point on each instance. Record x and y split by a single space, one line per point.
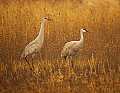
97 66
20 24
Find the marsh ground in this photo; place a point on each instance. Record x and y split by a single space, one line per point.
97 66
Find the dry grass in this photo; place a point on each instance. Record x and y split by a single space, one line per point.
97 65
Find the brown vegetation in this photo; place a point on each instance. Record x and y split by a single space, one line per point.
97 66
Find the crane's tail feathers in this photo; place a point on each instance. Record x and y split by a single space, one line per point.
64 57
22 55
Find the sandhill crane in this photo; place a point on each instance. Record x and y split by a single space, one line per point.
71 48
33 47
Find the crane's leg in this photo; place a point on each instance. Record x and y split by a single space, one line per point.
72 65
65 58
72 68
71 77
32 60
69 65
39 56
28 63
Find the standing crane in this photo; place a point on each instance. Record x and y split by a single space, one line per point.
34 47
71 48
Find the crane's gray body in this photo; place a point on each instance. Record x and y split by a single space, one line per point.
72 48
33 47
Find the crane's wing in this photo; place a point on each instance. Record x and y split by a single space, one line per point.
31 48
30 44
77 46
68 47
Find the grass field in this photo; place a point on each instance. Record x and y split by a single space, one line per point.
97 65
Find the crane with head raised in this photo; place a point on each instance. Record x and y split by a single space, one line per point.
71 48
34 47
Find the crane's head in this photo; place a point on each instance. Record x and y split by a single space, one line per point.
83 30
45 19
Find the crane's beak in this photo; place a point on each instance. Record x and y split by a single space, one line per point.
49 19
87 31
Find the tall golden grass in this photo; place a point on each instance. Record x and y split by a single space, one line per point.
97 65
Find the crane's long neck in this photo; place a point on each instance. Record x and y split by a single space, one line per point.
82 38
80 43
41 33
